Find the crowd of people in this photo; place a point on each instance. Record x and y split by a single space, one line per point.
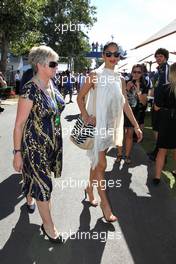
121 104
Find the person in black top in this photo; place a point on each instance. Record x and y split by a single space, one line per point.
166 105
27 76
137 91
160 78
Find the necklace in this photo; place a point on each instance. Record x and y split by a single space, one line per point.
49 91
53 96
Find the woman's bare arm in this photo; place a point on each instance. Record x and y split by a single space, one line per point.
129 113
23 111
90 81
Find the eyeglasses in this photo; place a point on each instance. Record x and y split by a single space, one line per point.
139 72
53 64
109 54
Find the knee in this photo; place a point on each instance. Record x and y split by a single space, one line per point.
102 165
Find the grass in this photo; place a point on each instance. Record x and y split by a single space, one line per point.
148 144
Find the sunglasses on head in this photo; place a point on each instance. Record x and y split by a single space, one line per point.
139 72
109 54
53 64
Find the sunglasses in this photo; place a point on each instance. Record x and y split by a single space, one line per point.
53 64
139 72
109 54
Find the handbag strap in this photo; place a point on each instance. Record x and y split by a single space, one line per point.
94 99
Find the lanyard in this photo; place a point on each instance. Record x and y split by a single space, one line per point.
52 95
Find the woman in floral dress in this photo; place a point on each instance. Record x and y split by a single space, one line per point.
38 136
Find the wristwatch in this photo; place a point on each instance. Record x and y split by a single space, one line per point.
16 150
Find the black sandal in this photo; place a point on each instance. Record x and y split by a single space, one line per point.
127 160
57 240
118 159
30 207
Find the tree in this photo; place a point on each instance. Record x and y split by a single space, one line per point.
64 27
19 20
26 23
81 63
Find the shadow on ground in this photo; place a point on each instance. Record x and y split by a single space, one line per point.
146 213
27 245
10 195
146 216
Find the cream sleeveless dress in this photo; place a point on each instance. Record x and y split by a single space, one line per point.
108 112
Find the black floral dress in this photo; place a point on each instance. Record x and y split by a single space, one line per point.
41 142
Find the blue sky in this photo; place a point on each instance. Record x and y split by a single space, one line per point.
130 21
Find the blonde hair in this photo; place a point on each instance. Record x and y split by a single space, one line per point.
172 77
41 55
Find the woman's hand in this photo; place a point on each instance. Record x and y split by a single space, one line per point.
138 133
129 85
18 162
89 119
142 98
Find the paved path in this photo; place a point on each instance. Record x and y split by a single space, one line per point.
144 234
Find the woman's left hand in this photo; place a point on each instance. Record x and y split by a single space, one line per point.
138 133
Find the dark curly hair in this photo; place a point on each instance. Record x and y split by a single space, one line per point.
163 52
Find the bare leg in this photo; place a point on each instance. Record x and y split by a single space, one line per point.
119 154
128 141
30 200
100 171
160 160
89 188
45 213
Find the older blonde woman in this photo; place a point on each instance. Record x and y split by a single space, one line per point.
37 136
110 103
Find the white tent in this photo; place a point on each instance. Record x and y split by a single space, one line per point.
164 32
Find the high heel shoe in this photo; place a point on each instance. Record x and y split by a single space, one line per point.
56 240
112 217
93 203
30 207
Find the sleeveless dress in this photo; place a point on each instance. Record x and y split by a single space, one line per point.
41 142
109 112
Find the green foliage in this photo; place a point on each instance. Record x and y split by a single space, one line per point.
65 26
17 17
26 23
25 43
18 22
81 63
